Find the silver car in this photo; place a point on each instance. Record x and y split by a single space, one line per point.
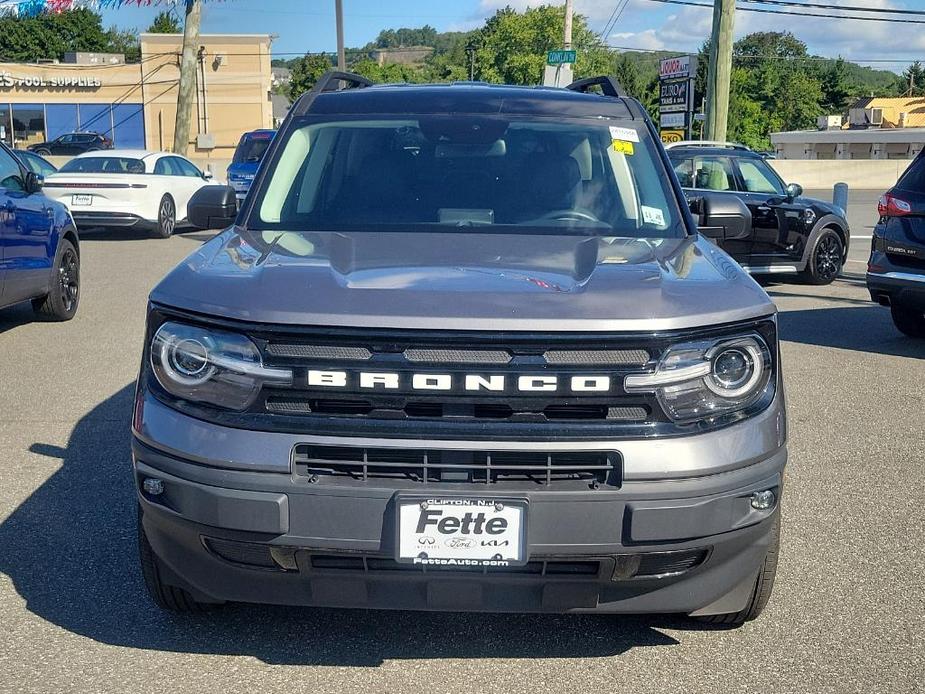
463 348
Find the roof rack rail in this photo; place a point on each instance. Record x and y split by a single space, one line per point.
710 143
609 86
329 82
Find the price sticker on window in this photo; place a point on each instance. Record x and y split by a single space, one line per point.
623 147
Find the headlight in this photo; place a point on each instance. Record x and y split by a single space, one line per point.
210 366
708 378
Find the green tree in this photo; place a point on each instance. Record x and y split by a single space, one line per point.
913 80
512 46
166 22
49 36
305 72
837 87
124 41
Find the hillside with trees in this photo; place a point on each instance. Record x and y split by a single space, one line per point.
776 83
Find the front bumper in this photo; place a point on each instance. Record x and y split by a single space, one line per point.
266 536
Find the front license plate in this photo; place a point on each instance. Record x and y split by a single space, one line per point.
82 200
463 531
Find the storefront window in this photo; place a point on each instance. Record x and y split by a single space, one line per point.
6 130
28 124
129 125
96 118
60 119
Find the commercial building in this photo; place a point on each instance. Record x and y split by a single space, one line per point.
135 104
876 128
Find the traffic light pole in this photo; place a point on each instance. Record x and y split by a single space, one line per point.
188 61
720 72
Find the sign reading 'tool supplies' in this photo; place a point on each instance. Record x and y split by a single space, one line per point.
10 81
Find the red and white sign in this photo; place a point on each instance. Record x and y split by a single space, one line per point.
670 68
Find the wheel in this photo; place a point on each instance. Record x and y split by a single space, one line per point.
166 218
826 260
908 320
43 152
61 302
164 596
764 584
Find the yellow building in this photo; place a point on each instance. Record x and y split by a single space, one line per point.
135 104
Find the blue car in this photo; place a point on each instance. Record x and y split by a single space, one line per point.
39 248
247 156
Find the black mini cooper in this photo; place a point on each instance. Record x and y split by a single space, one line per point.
788 233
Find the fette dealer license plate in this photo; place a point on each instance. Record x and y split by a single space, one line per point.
462 531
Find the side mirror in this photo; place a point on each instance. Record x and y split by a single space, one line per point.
207 175
212 207
723 217
794 190
34 182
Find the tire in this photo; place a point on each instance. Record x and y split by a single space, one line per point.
43 152
166 597
166 218
826 260
761 593
60 304
909 321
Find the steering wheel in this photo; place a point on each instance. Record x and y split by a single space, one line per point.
569 215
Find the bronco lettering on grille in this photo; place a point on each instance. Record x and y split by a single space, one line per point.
493 383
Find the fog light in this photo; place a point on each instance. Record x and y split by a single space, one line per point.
762 501
156 487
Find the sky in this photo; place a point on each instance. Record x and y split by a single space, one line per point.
308 25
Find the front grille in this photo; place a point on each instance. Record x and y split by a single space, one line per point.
485 400
582 469
371 564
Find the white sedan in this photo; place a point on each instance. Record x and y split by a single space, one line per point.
128 188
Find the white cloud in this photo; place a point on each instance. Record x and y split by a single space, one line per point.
597 11
829 36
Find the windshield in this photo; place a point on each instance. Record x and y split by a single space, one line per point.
251 148
445 172
113 165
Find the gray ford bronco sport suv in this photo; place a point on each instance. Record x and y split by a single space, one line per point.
462 348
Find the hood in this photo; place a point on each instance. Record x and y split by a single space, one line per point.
464 281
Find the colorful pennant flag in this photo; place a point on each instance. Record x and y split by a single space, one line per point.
32 8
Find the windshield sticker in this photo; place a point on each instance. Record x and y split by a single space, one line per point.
653 215
623 146
627 134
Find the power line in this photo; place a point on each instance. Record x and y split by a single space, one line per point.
690 3
852 8
806 58
614 18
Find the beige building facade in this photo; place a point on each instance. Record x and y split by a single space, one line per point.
135 104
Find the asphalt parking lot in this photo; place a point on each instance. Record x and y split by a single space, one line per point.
848 613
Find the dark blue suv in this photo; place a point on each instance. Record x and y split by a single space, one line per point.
39 251
251 148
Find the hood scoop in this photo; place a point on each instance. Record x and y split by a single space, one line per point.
356 255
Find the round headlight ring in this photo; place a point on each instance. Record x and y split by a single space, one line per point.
186 361
727 361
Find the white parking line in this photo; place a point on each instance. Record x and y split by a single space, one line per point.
859 262
861 237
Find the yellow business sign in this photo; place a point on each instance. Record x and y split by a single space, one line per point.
669 136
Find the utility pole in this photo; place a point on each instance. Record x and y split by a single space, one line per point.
187 76
720 70
339 19
470 53
567 36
